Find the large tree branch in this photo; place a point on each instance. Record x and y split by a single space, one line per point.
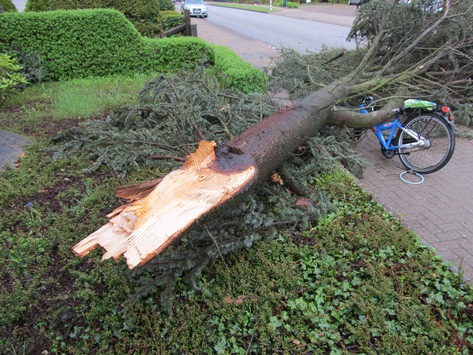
413 45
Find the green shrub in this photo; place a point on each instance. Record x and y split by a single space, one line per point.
85 43
236 72
142 13
289 4
166 5
10 78
32 65
171 19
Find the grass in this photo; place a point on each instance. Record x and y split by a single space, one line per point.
357 282
261 8
80 98
85 97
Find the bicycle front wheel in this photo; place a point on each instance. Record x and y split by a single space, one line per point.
439 144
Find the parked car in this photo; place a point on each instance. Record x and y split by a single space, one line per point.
196 8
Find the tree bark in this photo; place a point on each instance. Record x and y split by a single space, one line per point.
159 212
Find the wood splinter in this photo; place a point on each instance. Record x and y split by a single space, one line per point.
153 220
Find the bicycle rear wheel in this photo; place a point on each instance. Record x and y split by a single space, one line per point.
436 153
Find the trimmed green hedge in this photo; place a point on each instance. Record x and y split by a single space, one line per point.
87 43
143 14
84 43
171 19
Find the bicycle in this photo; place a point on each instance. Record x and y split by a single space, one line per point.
421 134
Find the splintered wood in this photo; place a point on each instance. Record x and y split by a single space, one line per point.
146 226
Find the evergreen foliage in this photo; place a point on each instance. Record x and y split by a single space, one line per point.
8 6
32 65
166 121
447 51
170 19
301 74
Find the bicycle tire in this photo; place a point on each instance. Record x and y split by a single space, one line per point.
426 160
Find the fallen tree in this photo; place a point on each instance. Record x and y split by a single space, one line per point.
431 53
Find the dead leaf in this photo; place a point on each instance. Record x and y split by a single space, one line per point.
276 178
239 300
305 202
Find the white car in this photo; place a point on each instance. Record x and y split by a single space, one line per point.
196 7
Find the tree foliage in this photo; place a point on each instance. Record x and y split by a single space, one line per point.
411 49
10 76
172 115
404 51
7 6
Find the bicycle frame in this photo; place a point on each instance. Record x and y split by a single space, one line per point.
392 127
416 125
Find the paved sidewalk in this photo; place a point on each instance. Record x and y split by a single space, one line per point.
440 209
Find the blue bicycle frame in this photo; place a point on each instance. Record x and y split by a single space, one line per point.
420 128
386 141
420 141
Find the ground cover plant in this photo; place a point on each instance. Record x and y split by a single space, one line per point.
343 276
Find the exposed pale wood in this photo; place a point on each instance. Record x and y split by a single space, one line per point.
144 228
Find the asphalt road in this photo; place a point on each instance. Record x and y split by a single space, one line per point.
281 31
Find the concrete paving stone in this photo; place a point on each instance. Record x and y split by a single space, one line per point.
432 228
415 226
413 218
445 247
450 236
467 245
435 217
439 199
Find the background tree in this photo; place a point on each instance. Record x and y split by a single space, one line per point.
7 6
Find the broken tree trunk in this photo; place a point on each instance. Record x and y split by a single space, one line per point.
214 175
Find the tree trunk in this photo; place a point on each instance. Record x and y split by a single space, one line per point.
212 176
